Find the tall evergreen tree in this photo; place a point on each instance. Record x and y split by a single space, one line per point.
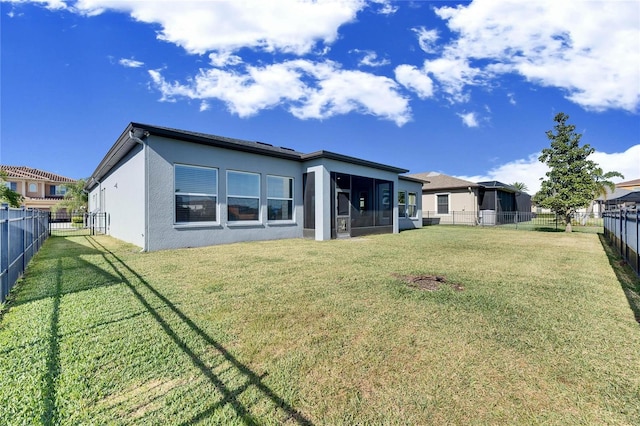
569 183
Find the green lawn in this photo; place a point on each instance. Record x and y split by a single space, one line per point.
528 328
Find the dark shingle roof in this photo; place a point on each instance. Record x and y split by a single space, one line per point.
126 142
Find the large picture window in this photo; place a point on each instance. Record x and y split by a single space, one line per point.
243 196
196 194
279 198
443 203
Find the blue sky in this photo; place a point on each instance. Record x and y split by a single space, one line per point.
462 88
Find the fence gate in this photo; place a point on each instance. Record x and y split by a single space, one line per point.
64 224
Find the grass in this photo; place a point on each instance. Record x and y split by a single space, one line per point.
306 332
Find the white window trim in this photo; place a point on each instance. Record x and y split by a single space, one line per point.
245 222
293 204
448 194
177 224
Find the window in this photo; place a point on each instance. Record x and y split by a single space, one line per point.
11 185
279 198
402 204
33 187
57 190
443 203
196 194
412 206
243 196
309 199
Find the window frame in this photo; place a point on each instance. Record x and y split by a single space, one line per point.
196 194
412 208
247 197
57 190
402 207
290 199
448 203
34 185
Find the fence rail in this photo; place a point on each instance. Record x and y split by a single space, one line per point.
63 224
517 220
622 229
22 233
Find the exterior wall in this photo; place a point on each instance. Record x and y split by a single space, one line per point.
164 233
121 194
411 222
460 200
323 200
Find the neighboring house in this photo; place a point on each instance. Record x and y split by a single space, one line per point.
448 199
625 194
165 188
40 189
444 195
500 197
631 185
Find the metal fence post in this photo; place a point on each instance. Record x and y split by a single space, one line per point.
4 251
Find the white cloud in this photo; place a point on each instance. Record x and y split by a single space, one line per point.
307 89
453 75
205 26
427 39
530 170
588 49
386 7
222 59
370 58
49 4
415 80
469 119
130 63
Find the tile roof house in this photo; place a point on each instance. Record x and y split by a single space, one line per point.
40 189
167 188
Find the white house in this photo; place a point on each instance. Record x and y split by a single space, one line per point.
165 188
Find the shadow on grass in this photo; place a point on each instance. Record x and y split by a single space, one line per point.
50 414
67 255
230 396
629 282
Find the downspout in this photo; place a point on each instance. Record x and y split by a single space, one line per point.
133 137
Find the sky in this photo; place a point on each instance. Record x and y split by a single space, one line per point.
467 89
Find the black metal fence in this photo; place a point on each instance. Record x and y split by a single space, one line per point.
621 228
64 224
518 220
22 233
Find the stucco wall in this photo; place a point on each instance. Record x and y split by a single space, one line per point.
331 165
411 222
460 200
121 195
165 234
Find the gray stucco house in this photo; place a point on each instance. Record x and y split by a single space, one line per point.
165 188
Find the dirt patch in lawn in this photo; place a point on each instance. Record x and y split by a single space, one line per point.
428 282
